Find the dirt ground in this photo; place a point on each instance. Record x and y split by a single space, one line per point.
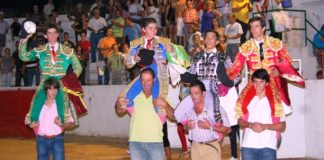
80 148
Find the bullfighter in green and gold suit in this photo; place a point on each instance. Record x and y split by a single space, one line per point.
54 59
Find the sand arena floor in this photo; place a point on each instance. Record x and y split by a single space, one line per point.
81 148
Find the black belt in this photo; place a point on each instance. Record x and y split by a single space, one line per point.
50 137
208 143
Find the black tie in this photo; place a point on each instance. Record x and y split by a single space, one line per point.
261 51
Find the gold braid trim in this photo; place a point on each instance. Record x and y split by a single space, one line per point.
276 98
164 41
134 43
274 44
246 48
75 93
40 48
238 106
66 49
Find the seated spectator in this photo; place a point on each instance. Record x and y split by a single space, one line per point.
6 67
136 10
67 40
81 56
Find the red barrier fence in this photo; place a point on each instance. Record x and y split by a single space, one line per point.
14 104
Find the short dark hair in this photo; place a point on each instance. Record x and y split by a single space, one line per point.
148 70
211 31
51 26
199 84
147 21
260 19
261 74
49 83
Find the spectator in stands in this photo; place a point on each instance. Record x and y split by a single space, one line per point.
224 7
47 9
80 26
104 48
6 67
20 68
66 40
56 19
118 23
117 67
105 43
96 25
197 45
192 30
81 56
318 49
207 17
36 16
179 7
77 12
15 29
125 7
131 31
163 14
4 28
217 28
233 32
241 10
86 47
190 16
136 11
154 12
171 20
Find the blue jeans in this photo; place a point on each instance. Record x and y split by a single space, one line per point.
94 40
258 154
146 151
30 73
46 146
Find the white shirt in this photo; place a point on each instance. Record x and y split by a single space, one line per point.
97 24
233 30
133 8
260 111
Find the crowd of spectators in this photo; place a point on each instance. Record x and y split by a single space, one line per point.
112 24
